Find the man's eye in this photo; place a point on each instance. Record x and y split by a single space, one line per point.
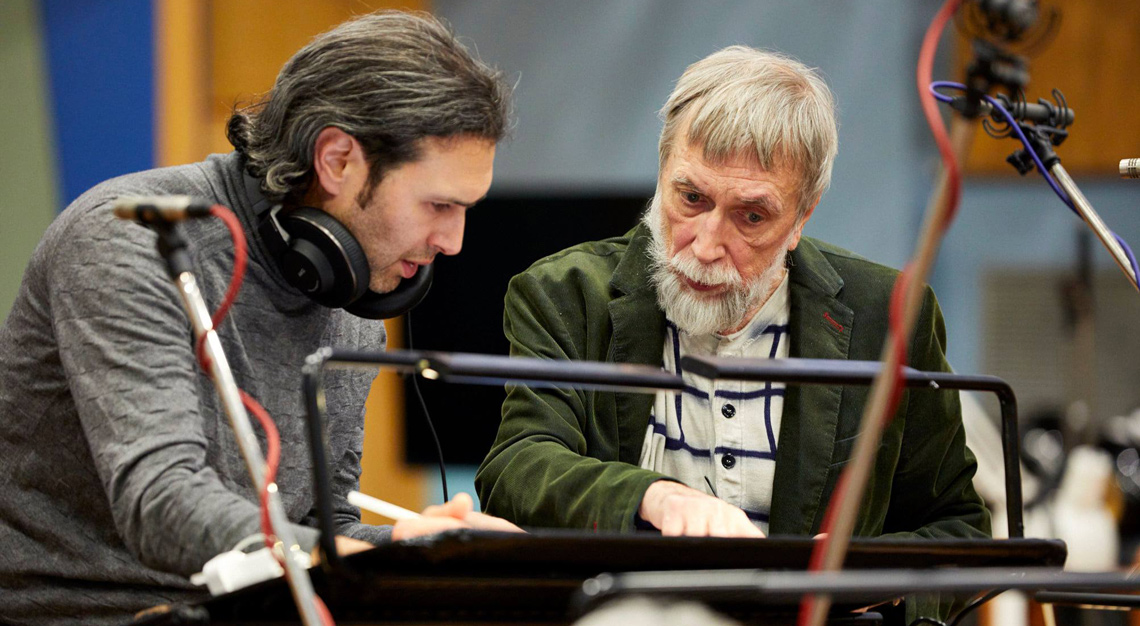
755 218
441 206
691 197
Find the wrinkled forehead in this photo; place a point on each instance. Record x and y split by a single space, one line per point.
694 163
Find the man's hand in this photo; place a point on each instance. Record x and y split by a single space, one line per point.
344 547
679 510
458 513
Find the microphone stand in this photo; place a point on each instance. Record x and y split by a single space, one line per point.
173 248
1089 215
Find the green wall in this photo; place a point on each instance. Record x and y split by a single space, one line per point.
27 172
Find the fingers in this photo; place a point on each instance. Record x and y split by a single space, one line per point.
344 547
461 509
747 529
674 524
348 545
482 521
680 511
458 507
408 528
719 527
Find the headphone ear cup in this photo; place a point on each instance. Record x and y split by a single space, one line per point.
322 259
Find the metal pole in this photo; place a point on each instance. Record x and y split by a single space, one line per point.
1090 216
299 582
853 585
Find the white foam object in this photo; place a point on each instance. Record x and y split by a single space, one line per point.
1081 514
233 570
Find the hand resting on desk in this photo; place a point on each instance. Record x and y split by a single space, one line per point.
679 510
458 513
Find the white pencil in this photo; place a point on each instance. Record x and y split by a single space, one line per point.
380 507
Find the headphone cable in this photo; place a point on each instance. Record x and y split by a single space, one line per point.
427 416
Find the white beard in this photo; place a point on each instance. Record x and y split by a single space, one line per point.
698 314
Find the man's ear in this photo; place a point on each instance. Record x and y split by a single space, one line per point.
337 157
802 221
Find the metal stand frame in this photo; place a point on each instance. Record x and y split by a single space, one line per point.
861 373
496 370
855 585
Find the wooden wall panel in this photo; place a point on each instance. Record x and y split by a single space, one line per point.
182 111
1094 61
251 39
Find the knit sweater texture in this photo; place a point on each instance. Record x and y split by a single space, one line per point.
119 473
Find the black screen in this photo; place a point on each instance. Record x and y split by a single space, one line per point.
464 310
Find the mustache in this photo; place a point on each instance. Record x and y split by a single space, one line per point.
687 266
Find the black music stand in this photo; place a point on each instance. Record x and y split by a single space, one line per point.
467 575
497 370
477 576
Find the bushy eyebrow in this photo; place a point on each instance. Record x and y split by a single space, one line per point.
765 202
682 181
762 202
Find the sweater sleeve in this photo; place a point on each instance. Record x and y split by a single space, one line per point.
125 345
346 477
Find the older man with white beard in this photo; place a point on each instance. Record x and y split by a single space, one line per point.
719 267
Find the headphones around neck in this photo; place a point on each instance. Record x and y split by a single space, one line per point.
320 257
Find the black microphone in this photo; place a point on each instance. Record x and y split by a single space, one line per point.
1041 113
159 209
1008 18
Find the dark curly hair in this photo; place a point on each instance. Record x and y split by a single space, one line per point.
389 79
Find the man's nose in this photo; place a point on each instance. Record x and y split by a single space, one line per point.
708 245
448 238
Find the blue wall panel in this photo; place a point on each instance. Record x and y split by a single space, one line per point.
100 57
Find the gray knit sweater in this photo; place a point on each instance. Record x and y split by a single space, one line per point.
119 475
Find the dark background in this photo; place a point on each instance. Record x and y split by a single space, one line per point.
464 310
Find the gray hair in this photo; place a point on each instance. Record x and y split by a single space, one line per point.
741 100
389 79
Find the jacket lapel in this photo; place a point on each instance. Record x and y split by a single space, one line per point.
638 337
820 328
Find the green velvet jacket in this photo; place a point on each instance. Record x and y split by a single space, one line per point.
569 458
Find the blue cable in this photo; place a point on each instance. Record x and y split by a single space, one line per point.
940 84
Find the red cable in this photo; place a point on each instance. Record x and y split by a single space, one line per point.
924 76
272 459
272 437
241 259
898 300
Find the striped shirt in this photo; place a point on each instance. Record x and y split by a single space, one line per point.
720 437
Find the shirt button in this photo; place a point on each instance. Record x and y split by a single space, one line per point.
728 410
728 461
